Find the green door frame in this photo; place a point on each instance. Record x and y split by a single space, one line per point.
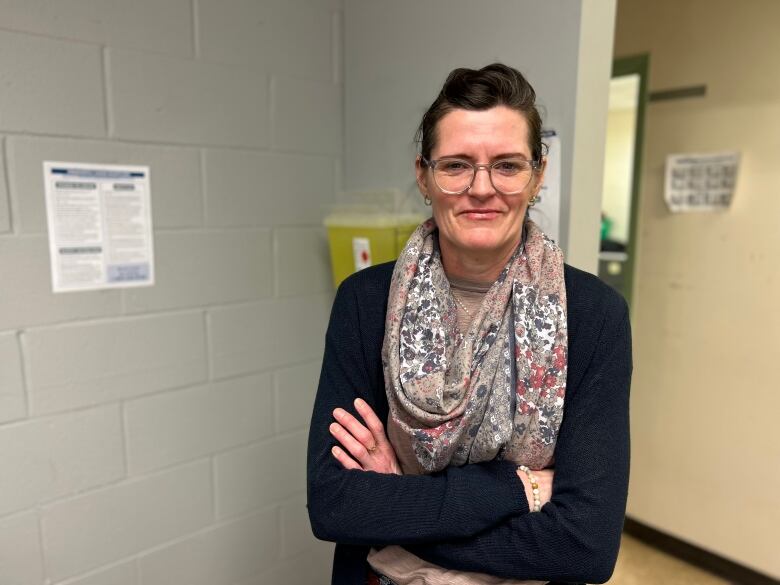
639 65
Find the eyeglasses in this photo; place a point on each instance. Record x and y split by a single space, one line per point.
455 176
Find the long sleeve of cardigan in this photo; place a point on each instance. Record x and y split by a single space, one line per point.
357 507
475 518
576 536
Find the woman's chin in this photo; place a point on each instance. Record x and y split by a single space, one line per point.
481 244
479 237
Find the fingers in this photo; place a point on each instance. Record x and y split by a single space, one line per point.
372 420
354 447
355 428
369 447
344 459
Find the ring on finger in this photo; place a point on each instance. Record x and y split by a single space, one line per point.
371 449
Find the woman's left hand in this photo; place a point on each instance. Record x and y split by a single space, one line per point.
363 448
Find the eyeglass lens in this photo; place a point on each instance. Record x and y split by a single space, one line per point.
508 176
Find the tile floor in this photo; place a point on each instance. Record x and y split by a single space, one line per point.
640 564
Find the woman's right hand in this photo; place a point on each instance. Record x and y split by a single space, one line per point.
363 448
544 479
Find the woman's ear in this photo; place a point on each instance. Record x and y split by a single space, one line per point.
419 171
539 177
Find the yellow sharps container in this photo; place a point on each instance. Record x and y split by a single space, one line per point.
361 239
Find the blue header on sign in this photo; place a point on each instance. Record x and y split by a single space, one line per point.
97 173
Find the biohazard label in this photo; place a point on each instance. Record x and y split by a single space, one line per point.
361 252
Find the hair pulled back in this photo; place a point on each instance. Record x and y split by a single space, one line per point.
481 89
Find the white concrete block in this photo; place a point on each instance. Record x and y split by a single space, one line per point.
97 528
120 574
302 261
218 556
313 567
297 536
52 87
13 403
278 36
259 475
267 189
24 261
93 363
276 332
147 25
5 209
306 115
43 459
338 173
21 562
174 172
179 100
196 269
295 390
287 54
332 5
182 425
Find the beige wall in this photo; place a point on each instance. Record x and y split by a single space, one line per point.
618 168
706 318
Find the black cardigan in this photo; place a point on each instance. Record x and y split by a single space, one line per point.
476 517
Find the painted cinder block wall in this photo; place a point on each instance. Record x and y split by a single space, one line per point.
155 436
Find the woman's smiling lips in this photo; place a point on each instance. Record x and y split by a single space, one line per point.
480 214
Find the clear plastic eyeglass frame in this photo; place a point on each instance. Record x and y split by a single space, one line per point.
431 164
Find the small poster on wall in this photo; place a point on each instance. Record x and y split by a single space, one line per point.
700 182
546 212
100 226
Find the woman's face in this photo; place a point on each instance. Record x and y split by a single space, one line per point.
481 220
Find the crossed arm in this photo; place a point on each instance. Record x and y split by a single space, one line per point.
365 447
474 518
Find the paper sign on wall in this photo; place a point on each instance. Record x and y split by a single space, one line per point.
700 182
546 212
100 226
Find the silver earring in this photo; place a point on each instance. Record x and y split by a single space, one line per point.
427 200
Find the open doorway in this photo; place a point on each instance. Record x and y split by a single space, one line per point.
627 98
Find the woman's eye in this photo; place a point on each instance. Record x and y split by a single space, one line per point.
510 166
454 166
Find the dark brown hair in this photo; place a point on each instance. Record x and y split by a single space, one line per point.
481 89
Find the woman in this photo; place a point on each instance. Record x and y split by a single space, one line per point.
500 373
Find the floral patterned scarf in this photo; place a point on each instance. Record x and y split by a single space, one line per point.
463 397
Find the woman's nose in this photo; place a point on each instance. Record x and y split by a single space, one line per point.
482 185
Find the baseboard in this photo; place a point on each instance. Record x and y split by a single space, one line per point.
694 555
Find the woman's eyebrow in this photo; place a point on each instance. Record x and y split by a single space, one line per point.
503 155
511 155
456 155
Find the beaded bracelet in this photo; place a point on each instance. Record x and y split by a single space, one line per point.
534 487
